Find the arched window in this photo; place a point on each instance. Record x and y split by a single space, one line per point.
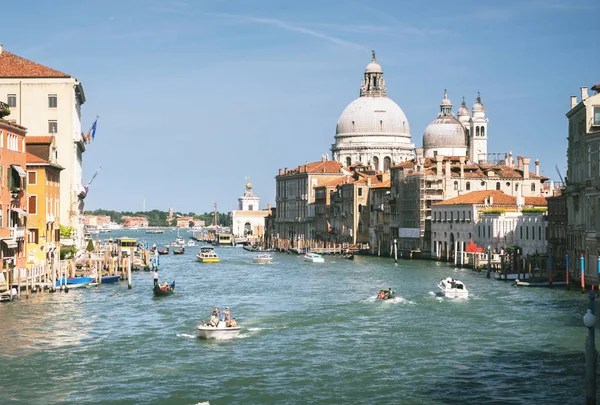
348 161
482 131
376 163
360 227
352 126
360 208
476 130
498 186
468 185
381 125
387 163
247 228
532 186
456 185
516 187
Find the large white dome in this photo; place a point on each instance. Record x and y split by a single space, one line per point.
373 116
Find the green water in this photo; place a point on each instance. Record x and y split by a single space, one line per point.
312 333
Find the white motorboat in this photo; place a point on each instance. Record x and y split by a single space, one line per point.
452 288
191 243
313 257
263 258
219 332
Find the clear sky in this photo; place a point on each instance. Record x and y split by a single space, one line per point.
194 96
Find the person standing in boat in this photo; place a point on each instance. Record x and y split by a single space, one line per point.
227 314
390 293
155 277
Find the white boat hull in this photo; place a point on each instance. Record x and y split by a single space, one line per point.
511 276
220 332
456 290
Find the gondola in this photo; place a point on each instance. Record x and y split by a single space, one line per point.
179 251
164 251
349 256
159 292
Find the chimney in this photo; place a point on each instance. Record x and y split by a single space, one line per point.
491 200
510 159
280 172
285 170
537 167
584 93
520 162
573 101
438 166
462 167
526 161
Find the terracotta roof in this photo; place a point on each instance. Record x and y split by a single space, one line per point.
31 158
538 201
383 184
479 197
38 139
12 65
12 124
334 182
326 166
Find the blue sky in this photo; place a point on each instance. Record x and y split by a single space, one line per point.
194 96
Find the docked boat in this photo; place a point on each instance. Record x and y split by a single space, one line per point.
313 257
207 254
262 259
536 283
110 279
499 275
386 294
9 295
75 282
221 331
179 251
452 288
163 291
349 256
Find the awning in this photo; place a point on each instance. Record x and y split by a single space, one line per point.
20 211
10 243
19 170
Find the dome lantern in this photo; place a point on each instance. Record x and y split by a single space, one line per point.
373 84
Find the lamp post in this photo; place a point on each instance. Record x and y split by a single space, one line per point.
589 320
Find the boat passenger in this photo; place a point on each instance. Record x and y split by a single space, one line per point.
216 312
227 314
214 321
172 285
202 323
233 323
452 284
390 293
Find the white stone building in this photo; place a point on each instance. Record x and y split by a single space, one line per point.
48 102
373 129
248 221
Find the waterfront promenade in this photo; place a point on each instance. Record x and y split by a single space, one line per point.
312 333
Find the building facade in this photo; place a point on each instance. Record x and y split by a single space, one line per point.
13 197
48 103
583 183
43 200
248 221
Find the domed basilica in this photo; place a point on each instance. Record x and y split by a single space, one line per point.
373 129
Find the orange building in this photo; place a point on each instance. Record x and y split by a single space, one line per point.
43 199
12 195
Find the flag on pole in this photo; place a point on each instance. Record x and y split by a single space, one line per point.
92 131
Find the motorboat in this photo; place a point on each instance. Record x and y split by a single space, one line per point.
386 294
221 331
110 279
207 254
452 288
74 282
191 243
313 257
179 251
263 258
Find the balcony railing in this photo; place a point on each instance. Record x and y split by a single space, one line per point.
17 232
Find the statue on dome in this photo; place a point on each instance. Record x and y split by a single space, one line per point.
373 53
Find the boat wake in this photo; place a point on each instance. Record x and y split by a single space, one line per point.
395 300
186 335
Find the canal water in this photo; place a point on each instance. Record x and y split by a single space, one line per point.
312 333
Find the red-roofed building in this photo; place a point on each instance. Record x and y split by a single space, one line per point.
48 102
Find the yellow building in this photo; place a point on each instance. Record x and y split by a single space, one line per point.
43 200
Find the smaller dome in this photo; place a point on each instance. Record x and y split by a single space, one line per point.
373 66
248 186
463 110
445 132
478 106
446 101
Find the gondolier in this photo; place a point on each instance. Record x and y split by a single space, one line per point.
155 277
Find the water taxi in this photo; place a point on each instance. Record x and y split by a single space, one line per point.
314 257
452 288
262 259
207 254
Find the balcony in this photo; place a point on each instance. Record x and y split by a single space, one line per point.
17 232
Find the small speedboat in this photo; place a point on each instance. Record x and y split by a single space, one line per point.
313 257
219 332
207 254
452 288
75 282
191 243
386 294
262 259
